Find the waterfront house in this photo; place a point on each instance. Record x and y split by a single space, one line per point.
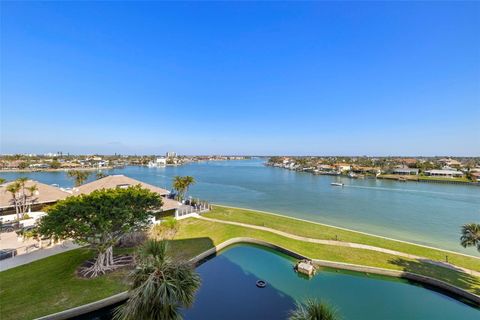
450 162
44 196
159 162
342 167
405 171
444 173
120 181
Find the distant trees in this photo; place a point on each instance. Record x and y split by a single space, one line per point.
314 310
100 219
470 235
23 165
22 196
79 177
2 180
160 285
55 164
182 184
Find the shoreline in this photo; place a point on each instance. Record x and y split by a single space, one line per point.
350 230
54 170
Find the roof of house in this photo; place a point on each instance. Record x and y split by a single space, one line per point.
44 194
115 181
406 170
442 171
169 204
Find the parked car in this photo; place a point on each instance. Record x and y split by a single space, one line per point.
7 253
10 226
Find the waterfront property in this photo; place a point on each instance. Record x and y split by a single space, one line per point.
444 173
424 213
405 171
195 236
44 195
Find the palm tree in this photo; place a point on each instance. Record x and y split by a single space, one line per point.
160 285
100 175
14 188
188 181
78 176
470 235
314 310
21 200
181 185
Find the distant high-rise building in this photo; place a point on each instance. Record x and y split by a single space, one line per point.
171 154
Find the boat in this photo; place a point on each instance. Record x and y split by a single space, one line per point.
337 184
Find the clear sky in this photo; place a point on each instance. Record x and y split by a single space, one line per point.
374 78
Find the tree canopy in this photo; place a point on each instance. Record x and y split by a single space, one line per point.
100 219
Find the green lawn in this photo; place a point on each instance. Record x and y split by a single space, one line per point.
50 285
318 231
210 232
444 179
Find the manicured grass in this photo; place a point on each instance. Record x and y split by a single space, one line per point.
50 285
443 179
397 176
318 231
218 233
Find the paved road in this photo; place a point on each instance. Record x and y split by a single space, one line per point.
36 255
348 244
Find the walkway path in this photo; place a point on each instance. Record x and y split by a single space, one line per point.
347 244
36 255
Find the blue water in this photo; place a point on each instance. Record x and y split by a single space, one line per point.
228 291
424 213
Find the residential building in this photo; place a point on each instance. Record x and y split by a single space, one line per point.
444 173
405 171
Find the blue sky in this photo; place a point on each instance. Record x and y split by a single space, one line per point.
241 78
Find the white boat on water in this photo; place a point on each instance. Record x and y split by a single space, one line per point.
338 184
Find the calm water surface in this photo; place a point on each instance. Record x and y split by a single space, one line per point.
425 213
228 291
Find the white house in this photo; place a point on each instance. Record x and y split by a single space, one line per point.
159 162
444 173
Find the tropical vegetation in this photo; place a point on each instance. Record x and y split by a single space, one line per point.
23 196
100 219
313 309
79 176
181 185
471 236
160 285
194 236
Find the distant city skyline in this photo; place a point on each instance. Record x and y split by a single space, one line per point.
270 78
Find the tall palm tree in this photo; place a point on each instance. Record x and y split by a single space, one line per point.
14 188
160 286
79 177
188 181
181 185
470 235
314 310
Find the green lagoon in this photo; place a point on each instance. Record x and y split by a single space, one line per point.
424 213
229 291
